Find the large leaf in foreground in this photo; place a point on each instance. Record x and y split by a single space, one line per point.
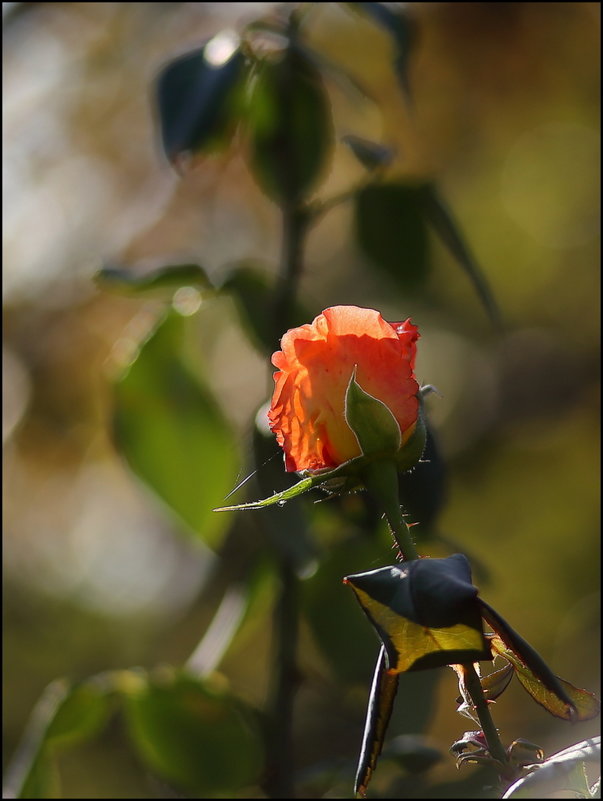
426 612
172 432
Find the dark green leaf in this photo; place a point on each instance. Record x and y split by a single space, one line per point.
399 26
253 292
193 734
520 652
289 127
379 712
163 280
172 432
371 155
423 489
426 612
392 232
585 704
444 224
197 98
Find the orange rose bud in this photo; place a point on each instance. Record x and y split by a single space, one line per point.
315 367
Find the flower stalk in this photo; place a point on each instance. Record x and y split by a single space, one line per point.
474 689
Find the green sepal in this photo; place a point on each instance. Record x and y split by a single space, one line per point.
412 450
426 612
307 483
372 422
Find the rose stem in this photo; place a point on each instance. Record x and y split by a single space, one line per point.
381 480
474 687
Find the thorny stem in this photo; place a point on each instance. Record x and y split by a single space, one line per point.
482 709
381 480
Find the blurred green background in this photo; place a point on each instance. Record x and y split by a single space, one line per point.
97 574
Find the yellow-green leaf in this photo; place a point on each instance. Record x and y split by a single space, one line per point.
586 704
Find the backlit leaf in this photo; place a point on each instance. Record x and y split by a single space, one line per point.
524 654
586 704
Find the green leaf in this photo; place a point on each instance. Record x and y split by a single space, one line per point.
391 230
585 704
426 612
163 280
372 422
521 654
371 155
197 98
399 26
64 716
378 715
81 715
194 734
288 126
423 489
172 432
444 224
561 772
